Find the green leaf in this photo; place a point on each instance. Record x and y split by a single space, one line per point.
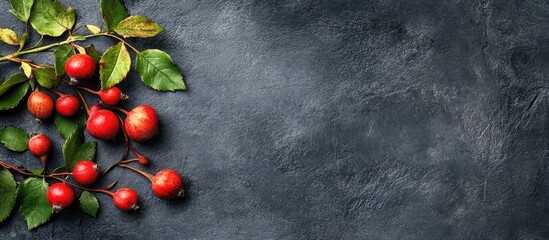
85 151
49 17
14 139
66 126
62 53
113 12
34 203
74 151
36 171
158 71
92 52
21 9
46 77
12 99
9 193
14 79
8 36
89 203
114 65
138 26
59 170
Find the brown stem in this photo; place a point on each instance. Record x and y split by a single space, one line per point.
117 108
145 174
129 160
60 94
115 164
83 188
87 90
61 174
83 101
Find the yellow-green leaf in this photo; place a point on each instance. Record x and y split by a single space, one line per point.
114 65
27 69
8 36
46 77
113 11
21 9
138 26
93 29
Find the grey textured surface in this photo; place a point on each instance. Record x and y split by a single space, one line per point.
388 119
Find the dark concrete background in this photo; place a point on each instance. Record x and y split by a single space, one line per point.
387 119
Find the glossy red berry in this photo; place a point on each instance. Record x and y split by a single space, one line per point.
80 67
60 196
111 96
40 105
141 123
167 184
67 105
103 124
86 172
125 199
40 145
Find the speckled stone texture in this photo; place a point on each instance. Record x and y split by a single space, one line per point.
385 119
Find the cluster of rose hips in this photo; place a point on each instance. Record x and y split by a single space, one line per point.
141 124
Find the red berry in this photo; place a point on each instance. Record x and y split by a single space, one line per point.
80 67
85 172
94 108
40 105
141 123
103 125
111 96
60 196
67 105
40 145
167 184
125 199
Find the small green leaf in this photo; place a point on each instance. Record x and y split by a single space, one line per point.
158 71
74 151
14 80
113 12
14 139
45 76
8 36
59 170
89 203
66 126
27 69
21 9
34 203
138 26
85 151
49 17
92 52
36 171
114 65
13 97
93 29
62 53
9 193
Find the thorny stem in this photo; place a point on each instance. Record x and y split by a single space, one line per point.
145 174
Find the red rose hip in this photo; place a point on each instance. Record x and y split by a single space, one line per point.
125 199
86 172
141 123
40 105
111 96
103 124
80 67
40 146
67 105
60 196
167 184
